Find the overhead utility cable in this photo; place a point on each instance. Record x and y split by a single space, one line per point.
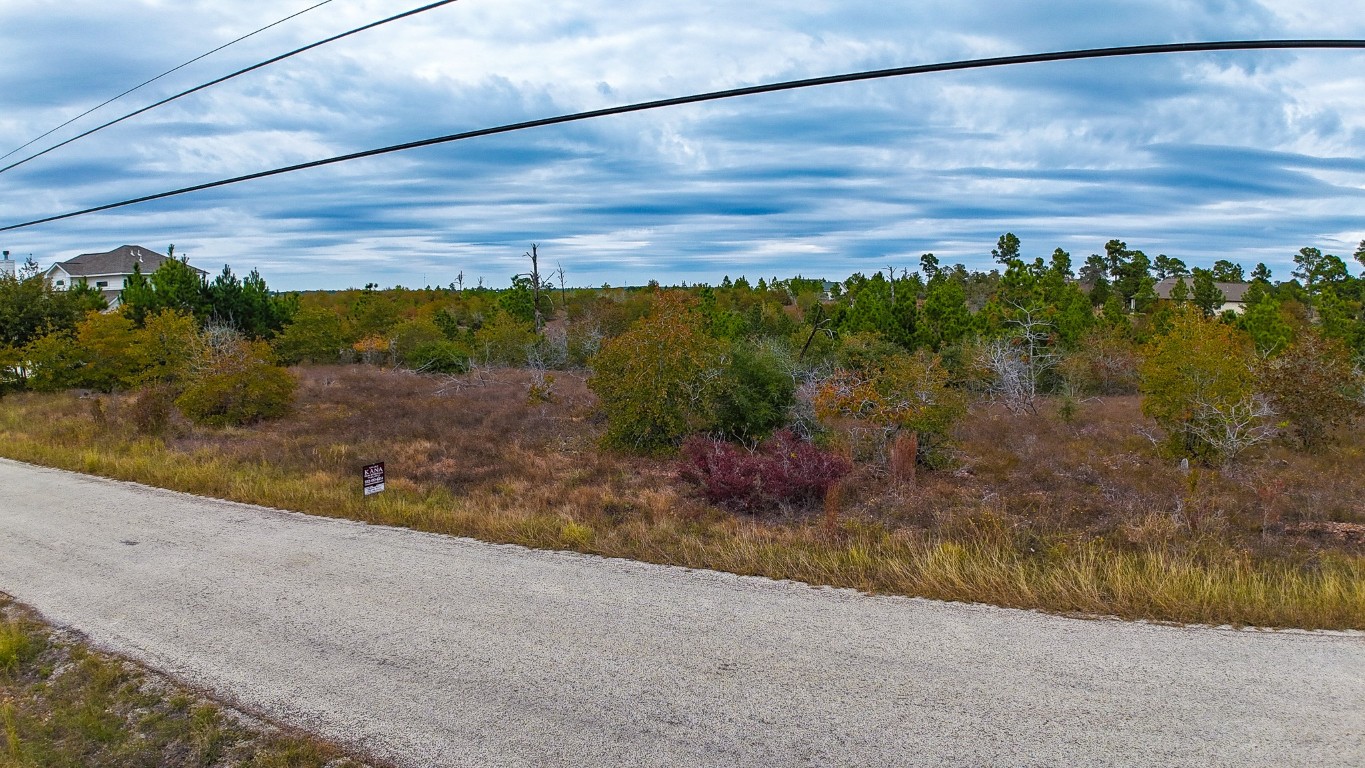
789 85
145 83
227 77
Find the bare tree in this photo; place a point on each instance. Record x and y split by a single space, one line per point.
536 284
1230 428
1021 360
563 295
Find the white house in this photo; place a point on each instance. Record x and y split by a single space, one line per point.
109 272
1234 294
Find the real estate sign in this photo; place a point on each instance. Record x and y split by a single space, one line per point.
372 476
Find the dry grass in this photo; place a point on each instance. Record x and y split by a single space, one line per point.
64 704
1080 517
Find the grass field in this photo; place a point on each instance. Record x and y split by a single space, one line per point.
65 704
1073 515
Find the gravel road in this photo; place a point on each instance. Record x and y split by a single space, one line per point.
436 651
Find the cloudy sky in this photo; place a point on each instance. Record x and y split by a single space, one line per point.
1247 156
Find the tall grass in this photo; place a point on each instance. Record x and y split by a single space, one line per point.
573 497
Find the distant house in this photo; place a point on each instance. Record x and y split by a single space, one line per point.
109 272
1234 294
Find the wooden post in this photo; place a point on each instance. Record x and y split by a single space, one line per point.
833 501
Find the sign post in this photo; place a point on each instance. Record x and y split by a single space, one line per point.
372 477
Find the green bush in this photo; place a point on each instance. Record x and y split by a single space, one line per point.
316 335
756 392
1313 387
236 382
657 382
52 362
438 357
504 340
1197 382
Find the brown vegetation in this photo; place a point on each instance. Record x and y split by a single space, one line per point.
1077 514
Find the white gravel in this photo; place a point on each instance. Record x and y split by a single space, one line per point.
437 651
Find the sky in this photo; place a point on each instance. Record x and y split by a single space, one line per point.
1240 156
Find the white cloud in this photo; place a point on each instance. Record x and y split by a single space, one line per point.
1239 152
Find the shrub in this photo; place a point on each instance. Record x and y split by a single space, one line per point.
657 382
315 335
899 392
1197 383
151 409
236 382
1313 386
167 343
504 340
1104 362
52 362
438 357
410 335
756 393
784 470
109 352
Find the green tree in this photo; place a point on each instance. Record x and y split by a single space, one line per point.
235 381
1225 271
1131 272
1006 249
1313 386
138 299
316 335
1316 269
658 381
944 319
1264 321
1061 265
1095 273
1197 382
928 264
179 287
1168 266
1180 292
519 300
167 343
30 308
756 393
1205 294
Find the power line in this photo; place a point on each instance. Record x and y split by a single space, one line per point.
163 74
227 77
789 85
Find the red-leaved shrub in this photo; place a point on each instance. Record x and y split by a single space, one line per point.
784 470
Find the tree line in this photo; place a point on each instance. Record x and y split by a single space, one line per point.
887 353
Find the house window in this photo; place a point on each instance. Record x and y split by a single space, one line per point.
102 284
61 282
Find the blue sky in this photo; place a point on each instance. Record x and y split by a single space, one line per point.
1242 156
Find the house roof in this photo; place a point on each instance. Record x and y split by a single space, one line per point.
1233 293
119 261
